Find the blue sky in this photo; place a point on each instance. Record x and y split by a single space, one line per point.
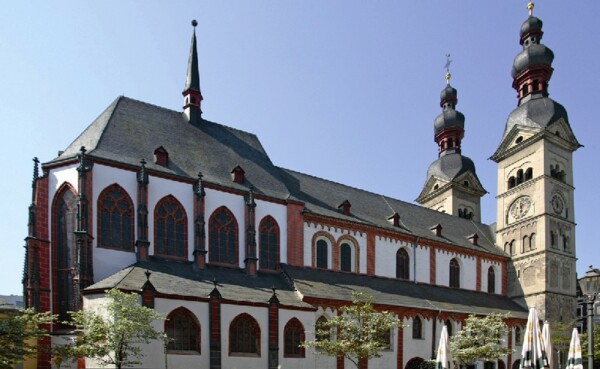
341 89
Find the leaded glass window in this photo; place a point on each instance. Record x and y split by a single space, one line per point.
244 335
268 243
293 338
346 258
223 237
322 254
183 331
170 228
115 219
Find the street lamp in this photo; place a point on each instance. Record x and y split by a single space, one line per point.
589 285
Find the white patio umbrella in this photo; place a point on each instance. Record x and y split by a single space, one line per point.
574 359
533 354
443 360
547 342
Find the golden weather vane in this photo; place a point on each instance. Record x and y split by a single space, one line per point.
447 66
530 7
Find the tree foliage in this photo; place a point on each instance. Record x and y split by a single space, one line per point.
480 339
584 345
357 332
19 332
114 337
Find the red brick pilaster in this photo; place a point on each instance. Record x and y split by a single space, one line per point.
295 233
340 362
363 364
273 332
510 344
142 243
400 349
214 322
478 277
370 254
199 223
504 278
432 266
250 253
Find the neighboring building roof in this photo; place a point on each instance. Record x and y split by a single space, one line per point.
326 284
182 279
129 130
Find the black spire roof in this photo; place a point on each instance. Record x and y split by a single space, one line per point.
193 75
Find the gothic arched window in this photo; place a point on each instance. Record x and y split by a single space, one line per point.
268 243
244 335
402 264
115 219
170 228
65 211
449 327
491 280
322 254
417 328
454 273
346 257
183 331
223 237
293 338
322 332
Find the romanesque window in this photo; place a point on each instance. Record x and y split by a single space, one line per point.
557 173
293 338
65 210
512 182
223 237
525 246
529 174
491 280
115 219
402 264
553 239
346 251
322 254
519 176
532 242
170 228
454 273
183 330
244 335
565 241
268 236
417 328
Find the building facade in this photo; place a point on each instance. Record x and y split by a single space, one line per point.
244 257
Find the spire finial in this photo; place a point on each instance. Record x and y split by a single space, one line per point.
530 7
447 66
194 23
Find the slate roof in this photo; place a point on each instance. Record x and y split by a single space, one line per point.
129 130
536 111
319 283
181 279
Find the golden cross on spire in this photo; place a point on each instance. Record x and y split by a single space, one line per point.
447 66
530 7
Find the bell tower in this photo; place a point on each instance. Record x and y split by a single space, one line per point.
535 220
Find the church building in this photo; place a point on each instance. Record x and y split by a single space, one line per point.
244 257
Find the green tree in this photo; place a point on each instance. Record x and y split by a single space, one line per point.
114 338
19 332
584 346
361 332
480 339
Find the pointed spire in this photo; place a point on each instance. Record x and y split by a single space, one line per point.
192 97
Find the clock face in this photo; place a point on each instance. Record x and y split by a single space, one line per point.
520 207
557 204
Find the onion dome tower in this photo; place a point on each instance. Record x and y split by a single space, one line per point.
535 220
452 185
192 97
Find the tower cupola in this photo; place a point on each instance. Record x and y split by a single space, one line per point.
192 97
449 126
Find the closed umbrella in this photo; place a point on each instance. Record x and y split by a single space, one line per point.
443 360
533 354
574 359
547 342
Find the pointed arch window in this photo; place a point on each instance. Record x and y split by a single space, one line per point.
244 335
170 228
346 253
65 210
491 280
293 338
322 331
223 237
518 337
115 219
417 328
268 236
449 327
322 254
454 273
183 330
402 264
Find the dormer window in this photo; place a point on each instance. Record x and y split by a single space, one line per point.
237 175
474 238
161 156
437 229
345 207
395 219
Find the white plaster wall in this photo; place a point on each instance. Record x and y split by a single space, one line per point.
423 264
385 256
108 262
183 192
468 269
417 347
279 213
388 357
320 361
485 265
228 313
361 239
235 203
307 318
